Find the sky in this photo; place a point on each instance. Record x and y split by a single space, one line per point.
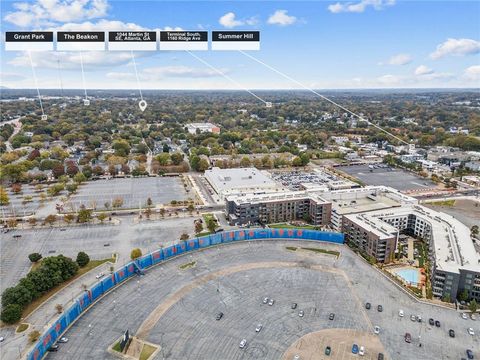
319 44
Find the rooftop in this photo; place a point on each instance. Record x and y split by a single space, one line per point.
238 178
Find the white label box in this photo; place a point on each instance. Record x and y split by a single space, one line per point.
184 40
28 41
235 40
132 40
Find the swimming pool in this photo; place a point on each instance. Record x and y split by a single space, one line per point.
409 275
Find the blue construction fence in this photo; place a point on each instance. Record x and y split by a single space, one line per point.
71 314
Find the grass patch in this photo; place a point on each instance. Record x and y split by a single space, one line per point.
323 251
36 265
22 327
147 351
442 203
288 226
204 233
291 248
207 217
37 302
187 265
116 347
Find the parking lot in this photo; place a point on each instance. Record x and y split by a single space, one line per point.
134 192
397 178
293 179
121 239
317 283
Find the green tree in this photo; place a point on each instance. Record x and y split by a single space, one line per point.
211 224
79 178
4 199
135 254
84 215
34 257
121 147
19 294
473 306
102 216
184 237
203 164
163 158
177 158
11 313
82 259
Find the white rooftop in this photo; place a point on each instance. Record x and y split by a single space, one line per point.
239 178
453 246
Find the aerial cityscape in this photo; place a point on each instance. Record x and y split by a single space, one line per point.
240 180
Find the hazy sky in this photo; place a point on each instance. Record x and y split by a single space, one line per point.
322 44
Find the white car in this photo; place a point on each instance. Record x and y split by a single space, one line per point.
361 352
243 343
464 316
376 330
63 340
472 316
296 357
413 318
100 275
400 313
2 338
301 313
271 302
265 300
470 331
259 327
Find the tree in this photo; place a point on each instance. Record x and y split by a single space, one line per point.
190 208
474 230
473 306
11 313
177 158
84 215
4 199
149 202
162 212
245 162
163 158
82 259
34 336
135 254
32 221
198 227
16 188
102 216
34 257
19 295
79 178
184 237
59 308
121 147
68 218
50 219
203 164
72 188
211 224
117 202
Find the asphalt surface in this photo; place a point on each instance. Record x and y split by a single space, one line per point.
188 330
133 191
14 263
396 178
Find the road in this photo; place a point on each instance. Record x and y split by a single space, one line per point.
17 127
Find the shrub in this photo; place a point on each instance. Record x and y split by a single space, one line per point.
11 313
136 253
34 336
82 259
34 257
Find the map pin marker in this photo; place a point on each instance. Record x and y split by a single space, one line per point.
142 105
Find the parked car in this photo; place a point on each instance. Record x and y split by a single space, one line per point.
63 340
419 318
219 316
437 323
53 348
431 321
100 275
354 349
258 328
400 313
413 318
301 313
368 306
265 300
328 350
451 333
470 331
464 316
361 352
296 357
294 305
2 338
469 354
271 302
380 308
376 329
408 338
243 343
331 316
